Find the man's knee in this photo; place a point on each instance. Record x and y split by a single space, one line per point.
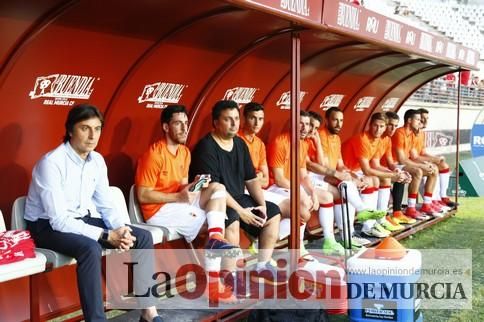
90 249
305 216
335 192
144 239
443 166
271 228
325 197
435 172
435 168
304 208
285 207
376 181
217 190
368 181
385 182
215 187
417 174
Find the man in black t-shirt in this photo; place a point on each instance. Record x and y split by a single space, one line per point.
225 156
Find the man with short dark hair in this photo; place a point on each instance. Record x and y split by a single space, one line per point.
403 141
311 198
167 198
358 152
420 154
225 156
332 170
252 124
69 209
385 158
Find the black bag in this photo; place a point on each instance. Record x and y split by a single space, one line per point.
302 315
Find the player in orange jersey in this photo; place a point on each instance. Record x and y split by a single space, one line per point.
312 198
385 158
358 153
331 169
402 143
167 199
253 121
420 154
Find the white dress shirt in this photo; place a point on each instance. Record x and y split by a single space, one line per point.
65 187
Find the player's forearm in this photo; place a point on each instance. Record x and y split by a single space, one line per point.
320 169
432 158
377 173
153 196
384 170
254 188
282 182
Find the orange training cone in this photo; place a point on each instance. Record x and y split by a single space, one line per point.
390 248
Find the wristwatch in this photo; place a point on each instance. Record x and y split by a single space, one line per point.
105 235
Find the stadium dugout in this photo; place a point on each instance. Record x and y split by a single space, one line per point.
132 58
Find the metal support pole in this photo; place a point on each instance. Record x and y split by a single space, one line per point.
295 110
457 150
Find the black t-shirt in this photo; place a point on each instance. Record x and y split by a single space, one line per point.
231 169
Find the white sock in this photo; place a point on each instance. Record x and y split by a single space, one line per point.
436 192
366 197
326 219
354 198
352 218
444 183
383 198
302 229
422 185
412 200
216 222
338 215
427 199
374 198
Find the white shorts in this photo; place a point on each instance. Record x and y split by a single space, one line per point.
317 180
274 197
184 218
275 189
282 192
271 196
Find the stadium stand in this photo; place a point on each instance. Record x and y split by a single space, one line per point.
461 21
457 20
